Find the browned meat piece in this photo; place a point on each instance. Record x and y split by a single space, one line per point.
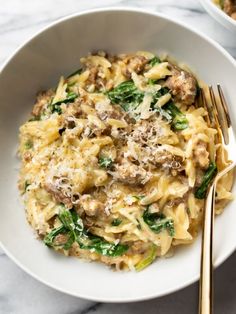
112 58
96 80
229 7
92 75
201 155
90 206
137 63
75 111
88 221
139 247
130 174
101 84
43 98
233 15
115 113
134 64
183 85
69 123
58 194
61 239
168 160
100 132
27 156
92 130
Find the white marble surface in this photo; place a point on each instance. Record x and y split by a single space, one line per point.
21 294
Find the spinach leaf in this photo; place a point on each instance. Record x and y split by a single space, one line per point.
78 71
56 107
158 222
103 247
105 162
69 242
152 81
179 120
50 237
72 226
151 255
116 222
159 93
207 178
129 97
66 219
35 118
126 95
155 60
71 221
69 98
163 113
28 144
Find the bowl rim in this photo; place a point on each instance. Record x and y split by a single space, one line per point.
218 14
191 280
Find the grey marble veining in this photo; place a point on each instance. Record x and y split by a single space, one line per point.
21 294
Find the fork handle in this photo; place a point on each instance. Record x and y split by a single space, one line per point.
206 278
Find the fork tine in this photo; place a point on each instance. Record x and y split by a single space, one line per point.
209 117
213 108
221 118
224 105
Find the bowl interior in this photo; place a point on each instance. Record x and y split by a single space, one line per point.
37 66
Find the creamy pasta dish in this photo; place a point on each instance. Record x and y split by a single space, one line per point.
228 6
116 161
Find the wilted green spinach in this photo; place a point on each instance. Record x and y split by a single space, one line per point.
158 222
56 107
73 229
207 178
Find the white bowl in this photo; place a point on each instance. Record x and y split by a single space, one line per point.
37 66
219 15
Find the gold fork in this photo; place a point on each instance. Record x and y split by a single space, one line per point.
218 117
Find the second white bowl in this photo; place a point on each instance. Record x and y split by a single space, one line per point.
219 15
